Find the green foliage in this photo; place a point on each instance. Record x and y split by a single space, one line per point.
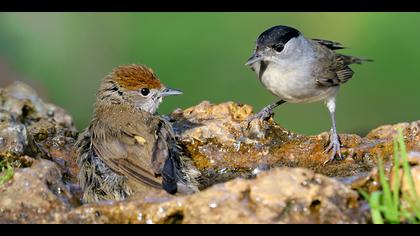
6 172
392 205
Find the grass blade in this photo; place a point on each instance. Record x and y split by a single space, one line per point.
387 205
388 208
406 164
375 203
396 178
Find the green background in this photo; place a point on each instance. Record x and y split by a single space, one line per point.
65 55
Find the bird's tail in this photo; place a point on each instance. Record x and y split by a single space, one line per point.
354 60
179 172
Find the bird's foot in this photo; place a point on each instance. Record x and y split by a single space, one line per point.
334 146
264 115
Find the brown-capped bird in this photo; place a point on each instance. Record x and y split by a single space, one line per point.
127 148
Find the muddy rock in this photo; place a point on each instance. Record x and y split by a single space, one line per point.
416 177
31 127
414 160
301 197
35 195
251 172
224 145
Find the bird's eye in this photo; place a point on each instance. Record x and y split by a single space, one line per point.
278 47
144 92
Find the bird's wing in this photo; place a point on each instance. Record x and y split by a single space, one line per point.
332 69
333 73
329 44
165 158
128 152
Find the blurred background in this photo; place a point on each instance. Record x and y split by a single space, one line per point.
65 56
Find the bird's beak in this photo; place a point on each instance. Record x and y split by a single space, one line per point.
170 92
254 58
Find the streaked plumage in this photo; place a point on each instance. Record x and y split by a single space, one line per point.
127 148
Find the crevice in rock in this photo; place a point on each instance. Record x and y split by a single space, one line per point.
174 218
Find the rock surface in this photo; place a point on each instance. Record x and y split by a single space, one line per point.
31 127
35 195
300 197
217 138
256 173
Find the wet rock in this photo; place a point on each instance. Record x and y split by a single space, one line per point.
15 141
384 137
413 157
301 197
415 172
414 160
35 195
31 127
255 172
224 145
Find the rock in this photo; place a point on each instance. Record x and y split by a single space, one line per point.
31 133
15 141
217 138
414 160
35 195
31 127
413 157
415 172
301 197
255 172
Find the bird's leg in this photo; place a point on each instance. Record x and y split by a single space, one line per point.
266 112
334 140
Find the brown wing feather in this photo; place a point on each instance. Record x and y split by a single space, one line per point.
166 157
125 159
165 146
128 150
137 172
344 74
160 151
335 68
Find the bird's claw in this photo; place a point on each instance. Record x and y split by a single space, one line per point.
264 115
335 147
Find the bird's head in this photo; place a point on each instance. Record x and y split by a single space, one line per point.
137 85
274 42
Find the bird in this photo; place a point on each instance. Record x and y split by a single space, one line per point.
297 69
128 148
